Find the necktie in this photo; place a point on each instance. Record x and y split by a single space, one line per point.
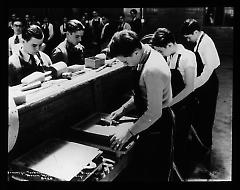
16 41
32 59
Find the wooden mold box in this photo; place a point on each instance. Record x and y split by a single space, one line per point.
93 133
94 62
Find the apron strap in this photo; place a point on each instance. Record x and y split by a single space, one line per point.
141 65
177 62
200 41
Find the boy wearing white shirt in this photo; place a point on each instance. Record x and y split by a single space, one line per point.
152 95
183 65
15 42
206 84
28 58
63 27
123 24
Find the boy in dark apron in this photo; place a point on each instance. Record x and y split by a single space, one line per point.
152 153
206 84
70 50
182 63
29 58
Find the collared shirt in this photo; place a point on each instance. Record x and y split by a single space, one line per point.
15 67
50 28
209 56
103 30
12 47
187 60
123 26
63 32
98 19
155 84
68 53
26 57
126 26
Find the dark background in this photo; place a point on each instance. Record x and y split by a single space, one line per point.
170 17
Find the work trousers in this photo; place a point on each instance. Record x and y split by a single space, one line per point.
183 116
152 155
204 112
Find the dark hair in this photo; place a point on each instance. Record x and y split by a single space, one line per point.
189 26
74 25
105 16
122 15
32 31
134 11
17 19
124 43
162 37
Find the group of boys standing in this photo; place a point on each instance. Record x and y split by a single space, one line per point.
156 98
72 49
172 97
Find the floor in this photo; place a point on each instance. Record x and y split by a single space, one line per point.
221 156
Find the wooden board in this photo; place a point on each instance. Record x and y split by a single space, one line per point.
57 158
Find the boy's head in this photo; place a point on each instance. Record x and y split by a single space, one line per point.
13 16
190 29
45 19
27 17
126 46
121 18
75 31
94 14
105 18
133 12
32 38
17 26
163 41
65 19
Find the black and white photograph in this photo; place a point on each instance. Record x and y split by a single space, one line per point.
120 94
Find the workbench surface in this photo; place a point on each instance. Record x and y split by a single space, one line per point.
61 103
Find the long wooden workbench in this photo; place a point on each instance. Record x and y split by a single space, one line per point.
59 104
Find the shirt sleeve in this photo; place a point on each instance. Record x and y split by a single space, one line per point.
129 105
210 59
61 29
154 85
127 26
48 61
51 32
9 47
189 61
13 77
57 55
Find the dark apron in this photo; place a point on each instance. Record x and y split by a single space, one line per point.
27 68
152 154
204 113
178 85
75 55
46 33
176 79
183 115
